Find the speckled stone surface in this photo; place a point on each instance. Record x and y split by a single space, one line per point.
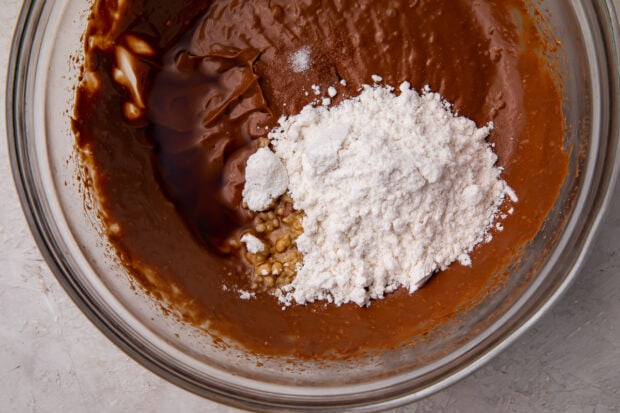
53 359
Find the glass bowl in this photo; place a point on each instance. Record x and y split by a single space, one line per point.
44 65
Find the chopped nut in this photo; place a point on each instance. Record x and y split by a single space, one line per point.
264 269
276 268
255 259
269 281
283 243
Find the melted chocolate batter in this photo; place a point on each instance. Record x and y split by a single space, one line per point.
216 75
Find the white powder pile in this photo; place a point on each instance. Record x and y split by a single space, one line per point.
300 60
252 244
393 189
265 180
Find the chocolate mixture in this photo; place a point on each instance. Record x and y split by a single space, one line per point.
175 95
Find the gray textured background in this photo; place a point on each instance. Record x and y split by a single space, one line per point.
52 359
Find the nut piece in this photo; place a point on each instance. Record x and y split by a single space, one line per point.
283 243
264 269
278 228
277 268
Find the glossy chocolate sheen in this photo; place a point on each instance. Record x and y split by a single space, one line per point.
221 77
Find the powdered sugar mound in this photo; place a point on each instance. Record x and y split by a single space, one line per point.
252 244
393 189
265 179
300 60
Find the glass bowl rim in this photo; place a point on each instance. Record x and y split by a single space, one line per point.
600 196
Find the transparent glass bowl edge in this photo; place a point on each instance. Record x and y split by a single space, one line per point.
18 123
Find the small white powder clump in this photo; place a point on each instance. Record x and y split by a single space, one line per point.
265 180
393 188
300 60
246 295
252 244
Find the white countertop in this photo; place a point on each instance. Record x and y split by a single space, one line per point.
53 359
